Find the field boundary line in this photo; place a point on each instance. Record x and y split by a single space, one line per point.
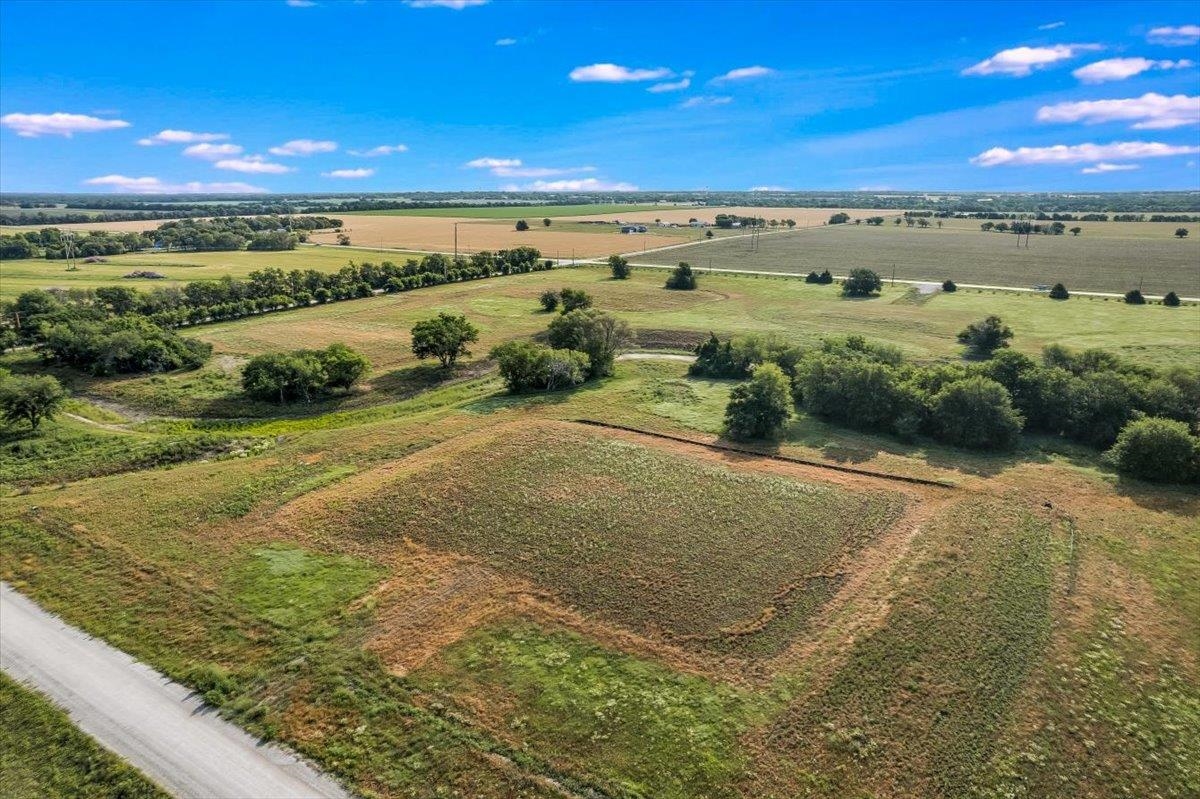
716 445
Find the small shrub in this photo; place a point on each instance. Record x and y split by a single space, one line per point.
950 286
1059 292
522 225
1157 450
1134 297
1171 300
682 278
574 299
549 300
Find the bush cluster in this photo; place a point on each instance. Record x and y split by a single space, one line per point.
120 345
527 366
302 374
1088 396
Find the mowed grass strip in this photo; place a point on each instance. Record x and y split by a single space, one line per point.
43 755
654 541
1084 263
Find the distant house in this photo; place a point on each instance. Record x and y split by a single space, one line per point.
633 228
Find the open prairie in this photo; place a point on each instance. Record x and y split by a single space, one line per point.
1104 259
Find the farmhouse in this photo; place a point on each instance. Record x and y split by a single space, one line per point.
633 228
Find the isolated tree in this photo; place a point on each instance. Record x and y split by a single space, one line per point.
1059 292
343 366
546 222
1171 300
861 283
922 222
939 223
839 218
522 225
950 286
1075 231
1158 450
708 234
574 299
760 407
1181 233
1134 297
619 266
444 337
977 413
598 335
30 399
549 300
986 336
343 239
682 278
284 376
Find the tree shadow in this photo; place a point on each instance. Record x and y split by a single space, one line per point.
1177 500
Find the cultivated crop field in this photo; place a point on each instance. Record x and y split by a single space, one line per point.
1107 262
530 212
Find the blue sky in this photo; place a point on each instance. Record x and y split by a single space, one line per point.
514 94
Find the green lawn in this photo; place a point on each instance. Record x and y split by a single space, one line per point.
1121 259
178 267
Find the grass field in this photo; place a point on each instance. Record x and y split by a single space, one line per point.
435 588
1107 262
44 756
179 267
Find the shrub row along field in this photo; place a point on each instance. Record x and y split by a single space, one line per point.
1082 263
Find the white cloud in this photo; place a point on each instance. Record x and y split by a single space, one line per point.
505 42
1080 153
1174 36
212 151
383 149
456 5
705 100
1103 167
612 73
492 163
769 188
1121 68
58 124
301 3
1151 111
538 171
150 185
742 73
1049 26
254 164
303 147
349 173
580 184
1022 61
181 137
676 86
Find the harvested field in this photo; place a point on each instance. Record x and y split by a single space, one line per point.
437 233
1095 263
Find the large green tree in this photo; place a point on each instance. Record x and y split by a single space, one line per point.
598 335
759 407
444 337
30 399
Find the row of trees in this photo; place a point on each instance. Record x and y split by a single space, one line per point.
262 290
120 345
1087 396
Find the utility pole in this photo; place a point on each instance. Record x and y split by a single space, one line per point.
893 274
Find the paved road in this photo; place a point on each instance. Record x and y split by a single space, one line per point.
155 724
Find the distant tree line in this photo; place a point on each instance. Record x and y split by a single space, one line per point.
1089 396
233 233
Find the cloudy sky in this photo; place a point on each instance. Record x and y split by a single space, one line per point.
310 95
